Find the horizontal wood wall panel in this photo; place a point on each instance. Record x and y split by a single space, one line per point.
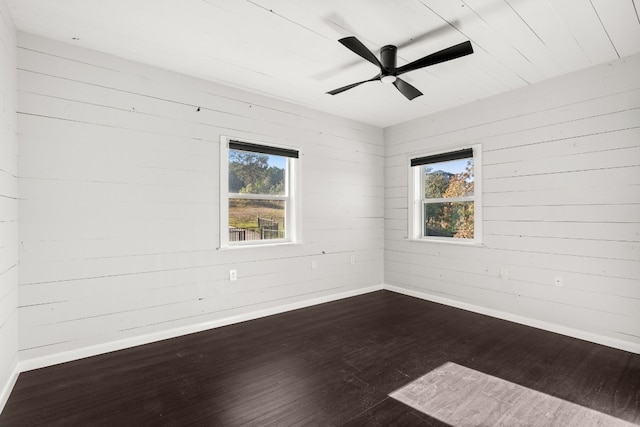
576 143
593 248
567 263
97 74
158 270
582 144
613 304
610 159
541 274
576 179
8 204
598 231
157 156
74 300
578 247
560 124
119 183
96 328
595 195
561 174
619 212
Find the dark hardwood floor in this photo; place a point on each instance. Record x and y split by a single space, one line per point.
331 364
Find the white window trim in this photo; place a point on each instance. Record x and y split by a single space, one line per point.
291 197
416 206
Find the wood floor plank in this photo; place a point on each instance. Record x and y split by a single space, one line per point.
331 364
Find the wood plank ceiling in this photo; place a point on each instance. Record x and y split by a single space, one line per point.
288 49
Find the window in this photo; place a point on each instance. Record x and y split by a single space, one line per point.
257 193
445 196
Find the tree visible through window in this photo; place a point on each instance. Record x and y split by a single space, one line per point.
446 199
259 192
449 218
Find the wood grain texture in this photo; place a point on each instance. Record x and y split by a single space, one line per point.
120 201
8 204
331 364
561 169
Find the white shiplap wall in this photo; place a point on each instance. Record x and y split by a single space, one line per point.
119 202
561 166
8 205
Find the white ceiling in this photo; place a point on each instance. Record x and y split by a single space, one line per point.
288 49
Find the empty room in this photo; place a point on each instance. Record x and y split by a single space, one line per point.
296 212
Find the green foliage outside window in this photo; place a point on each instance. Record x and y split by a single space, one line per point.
443 218
250 173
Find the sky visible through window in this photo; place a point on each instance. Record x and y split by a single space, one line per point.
277 161
453 166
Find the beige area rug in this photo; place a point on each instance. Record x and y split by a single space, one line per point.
460 397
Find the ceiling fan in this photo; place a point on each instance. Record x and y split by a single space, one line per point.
389 72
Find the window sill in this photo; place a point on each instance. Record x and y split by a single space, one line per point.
447 242
258 245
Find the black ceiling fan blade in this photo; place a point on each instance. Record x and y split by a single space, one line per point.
356 46
406 89
444 55
352 85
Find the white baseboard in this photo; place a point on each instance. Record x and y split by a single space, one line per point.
8 387
67 356
539 324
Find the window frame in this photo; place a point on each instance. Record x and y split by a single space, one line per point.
416 198
290 197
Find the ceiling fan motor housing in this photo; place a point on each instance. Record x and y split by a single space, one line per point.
388 57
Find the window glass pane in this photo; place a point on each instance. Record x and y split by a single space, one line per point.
256 219
256 173
448 179
449 219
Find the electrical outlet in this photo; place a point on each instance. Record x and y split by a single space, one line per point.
352 259
314 265
233 275
558 281
504 273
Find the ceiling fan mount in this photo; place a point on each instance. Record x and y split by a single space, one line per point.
388 55
389 71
